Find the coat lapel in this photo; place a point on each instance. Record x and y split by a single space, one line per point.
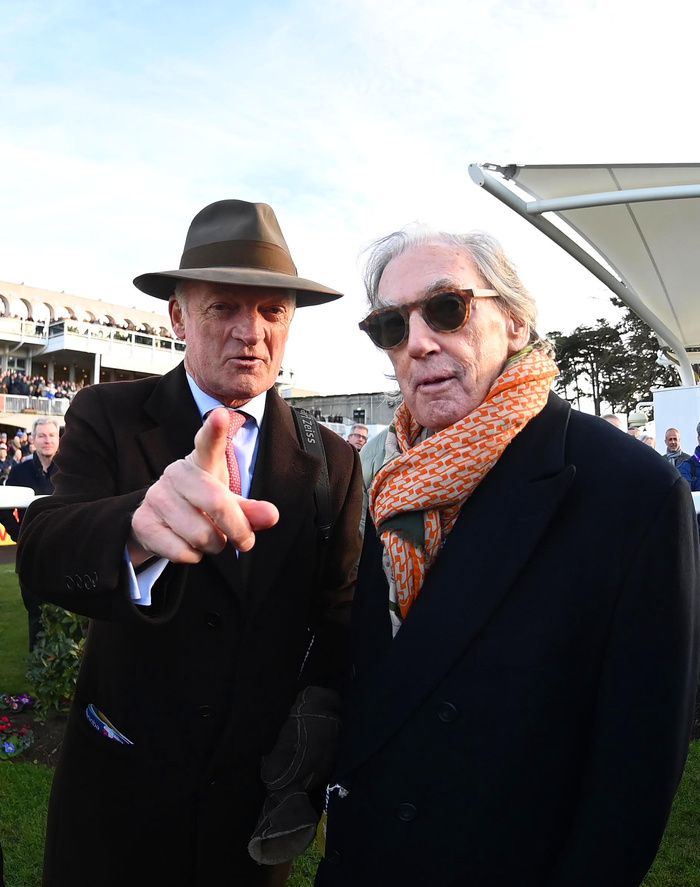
176 421
285 475
498 529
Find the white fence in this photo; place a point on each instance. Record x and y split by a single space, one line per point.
44 406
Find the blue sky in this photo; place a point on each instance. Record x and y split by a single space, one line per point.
120 120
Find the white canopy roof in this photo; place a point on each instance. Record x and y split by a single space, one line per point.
640 222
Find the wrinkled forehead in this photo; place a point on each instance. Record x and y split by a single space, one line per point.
424 270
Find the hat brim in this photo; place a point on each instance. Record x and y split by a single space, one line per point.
162 284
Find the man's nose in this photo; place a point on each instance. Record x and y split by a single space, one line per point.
248 328
421 338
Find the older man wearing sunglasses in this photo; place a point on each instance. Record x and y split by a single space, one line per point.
526 613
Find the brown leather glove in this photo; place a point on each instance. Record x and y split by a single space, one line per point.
298 765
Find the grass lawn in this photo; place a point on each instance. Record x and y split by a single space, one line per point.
13 633
24 792
24 786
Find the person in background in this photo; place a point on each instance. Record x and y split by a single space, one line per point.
28 446
36 472
690 468
507 725
674 454
5 462
614 420
15 445
185 524
358 436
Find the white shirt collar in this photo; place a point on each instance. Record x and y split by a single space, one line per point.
255 407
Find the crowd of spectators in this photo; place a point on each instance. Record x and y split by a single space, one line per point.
16 382
14 449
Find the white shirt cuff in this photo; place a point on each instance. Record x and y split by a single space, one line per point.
140 586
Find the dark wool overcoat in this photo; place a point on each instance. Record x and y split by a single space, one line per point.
201 681
529 723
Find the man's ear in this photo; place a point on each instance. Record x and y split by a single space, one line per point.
176 313
518 334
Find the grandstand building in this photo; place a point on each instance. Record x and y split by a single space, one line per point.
73 341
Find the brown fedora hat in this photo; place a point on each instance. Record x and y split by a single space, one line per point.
233 241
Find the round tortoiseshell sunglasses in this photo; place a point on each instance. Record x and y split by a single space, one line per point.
444 312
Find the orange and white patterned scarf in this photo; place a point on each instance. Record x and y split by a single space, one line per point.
430 477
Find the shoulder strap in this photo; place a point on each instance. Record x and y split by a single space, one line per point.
310 438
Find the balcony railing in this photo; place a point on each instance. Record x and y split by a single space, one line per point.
38 329
43 406
96 331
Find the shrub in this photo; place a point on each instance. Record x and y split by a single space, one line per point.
54 662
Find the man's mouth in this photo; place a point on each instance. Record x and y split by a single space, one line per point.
432 382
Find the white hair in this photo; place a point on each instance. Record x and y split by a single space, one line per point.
483 250
45 420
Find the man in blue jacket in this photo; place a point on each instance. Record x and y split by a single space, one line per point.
690 469
37 473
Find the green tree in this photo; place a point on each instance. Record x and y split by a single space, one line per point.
641 373
611 364
589 359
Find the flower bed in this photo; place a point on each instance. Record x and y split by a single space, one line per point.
14 738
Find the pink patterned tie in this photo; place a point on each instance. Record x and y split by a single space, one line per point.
234 477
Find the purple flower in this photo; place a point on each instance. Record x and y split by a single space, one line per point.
9 748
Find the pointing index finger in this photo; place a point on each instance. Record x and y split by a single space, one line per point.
209 452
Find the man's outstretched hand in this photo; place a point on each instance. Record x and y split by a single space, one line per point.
190 511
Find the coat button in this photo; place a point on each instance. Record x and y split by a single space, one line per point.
205 711
213 620
406 812
447 712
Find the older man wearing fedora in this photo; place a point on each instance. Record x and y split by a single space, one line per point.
185 525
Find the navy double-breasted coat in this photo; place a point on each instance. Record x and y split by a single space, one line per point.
529 723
